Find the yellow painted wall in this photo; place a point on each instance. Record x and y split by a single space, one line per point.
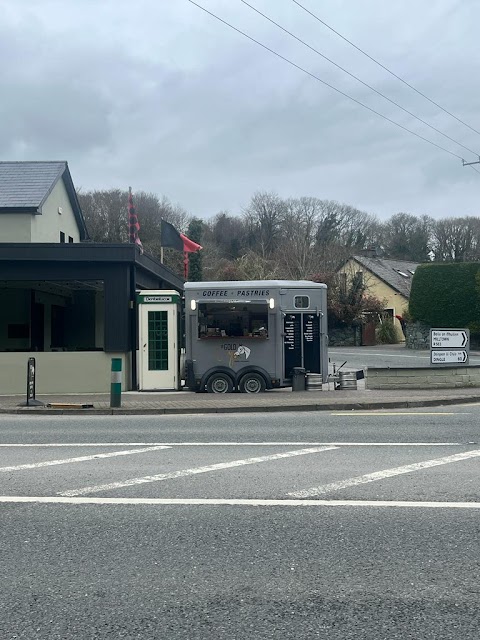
381 290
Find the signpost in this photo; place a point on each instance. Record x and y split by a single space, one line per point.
31 400
450 338
449 346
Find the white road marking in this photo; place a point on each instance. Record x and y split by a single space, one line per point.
183 473
235 502
381 475
52 463
238 444
373 413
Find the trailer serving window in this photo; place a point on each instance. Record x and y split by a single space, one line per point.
221 320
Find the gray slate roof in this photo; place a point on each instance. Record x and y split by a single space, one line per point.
388 271
25 185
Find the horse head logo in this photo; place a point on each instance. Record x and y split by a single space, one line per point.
241 354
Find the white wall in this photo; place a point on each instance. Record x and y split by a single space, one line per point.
47 227
28 227
15 227
61 372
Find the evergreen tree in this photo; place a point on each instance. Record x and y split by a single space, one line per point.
195 232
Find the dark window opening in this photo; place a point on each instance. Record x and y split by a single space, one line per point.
70 239
302 302
57 340
18 331
62 236
37 321
358 279
52 315
216 320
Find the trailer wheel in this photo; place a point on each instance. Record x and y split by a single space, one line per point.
252 383
220 383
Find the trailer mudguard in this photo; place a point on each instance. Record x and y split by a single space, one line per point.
213 370
254 369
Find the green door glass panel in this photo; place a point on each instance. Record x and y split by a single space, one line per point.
157 341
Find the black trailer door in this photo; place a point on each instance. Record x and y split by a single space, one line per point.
311 342
301 342
292 342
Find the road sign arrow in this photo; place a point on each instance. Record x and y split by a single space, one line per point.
465 338
464 356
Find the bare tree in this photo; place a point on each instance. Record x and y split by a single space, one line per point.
456 239
407 237
299 226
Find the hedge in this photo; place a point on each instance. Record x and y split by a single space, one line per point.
446 295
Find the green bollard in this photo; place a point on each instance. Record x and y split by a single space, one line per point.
116 383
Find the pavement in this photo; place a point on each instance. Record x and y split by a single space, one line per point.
275 400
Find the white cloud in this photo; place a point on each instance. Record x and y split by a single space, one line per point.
161 96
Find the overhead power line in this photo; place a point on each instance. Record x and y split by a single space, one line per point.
331 86
392 73
352 75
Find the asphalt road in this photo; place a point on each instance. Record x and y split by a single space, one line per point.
338 526
384 356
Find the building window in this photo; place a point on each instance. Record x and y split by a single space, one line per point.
70 239
301 302
52 315
359 278
157 341
62 236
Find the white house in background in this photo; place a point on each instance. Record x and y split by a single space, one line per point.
38 204
70 304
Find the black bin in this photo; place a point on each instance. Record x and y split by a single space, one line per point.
298 379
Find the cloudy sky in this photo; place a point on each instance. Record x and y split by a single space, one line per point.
158 95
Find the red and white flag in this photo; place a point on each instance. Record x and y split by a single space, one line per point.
133 224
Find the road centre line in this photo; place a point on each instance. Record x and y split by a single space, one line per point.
382 475
183 473
238 444
234 502
52 463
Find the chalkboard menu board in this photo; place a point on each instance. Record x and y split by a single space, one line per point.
292 344
311 342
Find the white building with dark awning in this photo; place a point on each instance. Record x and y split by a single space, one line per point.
66 301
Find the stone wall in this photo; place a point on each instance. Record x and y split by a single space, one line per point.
422 377
417 336
344 337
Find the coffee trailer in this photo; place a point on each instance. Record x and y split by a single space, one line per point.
248 336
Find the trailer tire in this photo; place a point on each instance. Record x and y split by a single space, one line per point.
220 383
252 383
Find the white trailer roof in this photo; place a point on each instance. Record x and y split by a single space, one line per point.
287 284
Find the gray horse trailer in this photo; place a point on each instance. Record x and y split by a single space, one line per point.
248 336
